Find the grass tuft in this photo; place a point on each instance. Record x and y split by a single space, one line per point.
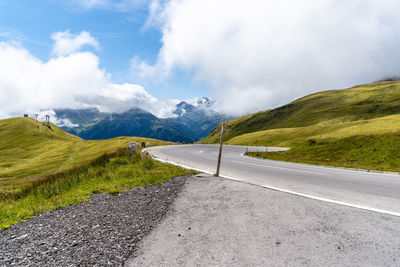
148 164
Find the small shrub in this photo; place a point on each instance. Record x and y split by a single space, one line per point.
125 173
148 164
115 191
121 161
311 142
134 158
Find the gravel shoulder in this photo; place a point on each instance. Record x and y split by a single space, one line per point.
220 222
102 232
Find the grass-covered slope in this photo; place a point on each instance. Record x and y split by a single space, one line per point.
30 152
335 114
43 168
109 175
290 137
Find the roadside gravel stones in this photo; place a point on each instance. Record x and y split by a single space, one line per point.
102 232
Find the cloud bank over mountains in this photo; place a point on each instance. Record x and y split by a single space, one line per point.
263 53
72 78
255 55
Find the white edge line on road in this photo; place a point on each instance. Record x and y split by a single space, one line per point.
326 166
277 167
289 191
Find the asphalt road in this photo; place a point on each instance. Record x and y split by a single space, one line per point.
367 190
220 222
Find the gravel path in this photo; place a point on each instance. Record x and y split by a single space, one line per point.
105 232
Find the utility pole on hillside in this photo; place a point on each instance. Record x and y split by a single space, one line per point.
48 120
220 150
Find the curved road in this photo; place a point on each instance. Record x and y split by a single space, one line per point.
367 190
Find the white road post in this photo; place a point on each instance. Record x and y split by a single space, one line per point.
220 150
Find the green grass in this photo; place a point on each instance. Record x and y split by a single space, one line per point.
110 174
291 137
31 152
43 168
356 127
373 152
335 112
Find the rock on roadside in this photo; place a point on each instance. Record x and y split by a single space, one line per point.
103 232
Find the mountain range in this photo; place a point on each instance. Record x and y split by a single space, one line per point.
191 122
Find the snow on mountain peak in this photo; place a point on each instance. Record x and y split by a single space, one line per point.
203 100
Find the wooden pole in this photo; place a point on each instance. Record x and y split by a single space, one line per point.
220 150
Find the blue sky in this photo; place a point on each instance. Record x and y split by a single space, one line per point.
119 54
121 34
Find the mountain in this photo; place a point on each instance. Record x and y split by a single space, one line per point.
193 121
80 116
370 108
137 122
200 104
200 118
77 120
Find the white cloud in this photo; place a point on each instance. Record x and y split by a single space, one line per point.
61 122
262 53
28 85
142 70
66 43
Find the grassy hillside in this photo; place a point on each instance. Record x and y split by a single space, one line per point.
111 175
30 152
290 137
365 109
43 168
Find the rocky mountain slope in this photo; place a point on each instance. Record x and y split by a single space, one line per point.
191 122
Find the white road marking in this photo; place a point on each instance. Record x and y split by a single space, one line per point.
346 169
276 167
382 211
334 201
